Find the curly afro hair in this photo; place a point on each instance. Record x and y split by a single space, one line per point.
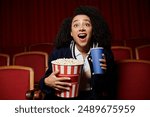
101 33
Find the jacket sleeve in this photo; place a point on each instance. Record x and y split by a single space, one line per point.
43 86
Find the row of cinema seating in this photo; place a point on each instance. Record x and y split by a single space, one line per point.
133 74
124 52
23 75
120 53
42 47
132 71
37 60
21 68
132 81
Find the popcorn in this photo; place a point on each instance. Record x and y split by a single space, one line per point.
67 61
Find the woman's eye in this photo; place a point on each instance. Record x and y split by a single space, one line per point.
75 25
87 24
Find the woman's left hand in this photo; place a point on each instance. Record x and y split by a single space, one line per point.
103 63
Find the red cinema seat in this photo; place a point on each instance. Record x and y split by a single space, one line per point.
15 81
4 59
35 60
134 80
143 52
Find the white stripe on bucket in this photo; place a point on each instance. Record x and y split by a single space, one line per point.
75 69
68 69
62 69
73 91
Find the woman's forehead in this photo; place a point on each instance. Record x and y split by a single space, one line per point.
81 17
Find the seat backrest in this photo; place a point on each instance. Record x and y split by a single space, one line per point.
133 79
11 51
43 47
15 81
143 52
121 52
35 60
136 42
4 59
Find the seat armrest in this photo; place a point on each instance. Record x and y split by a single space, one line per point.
34 95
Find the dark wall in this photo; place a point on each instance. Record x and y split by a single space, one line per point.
24 22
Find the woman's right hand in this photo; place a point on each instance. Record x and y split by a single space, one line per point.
56 83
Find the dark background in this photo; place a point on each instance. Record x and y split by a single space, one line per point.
25 22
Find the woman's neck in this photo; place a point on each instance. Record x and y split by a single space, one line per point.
83 51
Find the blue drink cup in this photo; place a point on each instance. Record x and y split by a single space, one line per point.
96 54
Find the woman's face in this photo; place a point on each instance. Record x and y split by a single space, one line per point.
81 31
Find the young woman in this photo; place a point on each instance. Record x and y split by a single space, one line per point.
84 30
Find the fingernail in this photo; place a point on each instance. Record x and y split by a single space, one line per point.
69 78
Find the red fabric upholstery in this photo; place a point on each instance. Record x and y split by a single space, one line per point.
121 52
133 43
143 52
35 60
15 81
44 47
134 79
4 59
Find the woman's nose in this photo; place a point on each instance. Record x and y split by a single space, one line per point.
82 28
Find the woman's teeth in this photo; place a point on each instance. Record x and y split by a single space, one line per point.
82 35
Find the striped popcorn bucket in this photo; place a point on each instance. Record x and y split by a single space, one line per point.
73 92
67 69
73 72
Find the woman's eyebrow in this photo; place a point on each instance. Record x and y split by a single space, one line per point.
87 20
74 21
83 19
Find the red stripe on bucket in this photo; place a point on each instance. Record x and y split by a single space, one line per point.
73 92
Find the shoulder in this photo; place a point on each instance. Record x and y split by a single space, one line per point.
108 52
62 52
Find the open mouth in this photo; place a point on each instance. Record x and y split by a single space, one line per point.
82 35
